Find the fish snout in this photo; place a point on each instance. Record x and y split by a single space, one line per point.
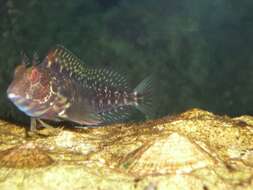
12 94
19 101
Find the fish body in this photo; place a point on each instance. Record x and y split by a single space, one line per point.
62 87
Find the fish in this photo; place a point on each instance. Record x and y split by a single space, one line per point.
63 88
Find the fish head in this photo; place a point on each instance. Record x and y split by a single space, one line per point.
29 89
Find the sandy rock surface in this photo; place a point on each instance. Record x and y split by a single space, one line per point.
194 150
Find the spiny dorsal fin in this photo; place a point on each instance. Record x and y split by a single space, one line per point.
60 59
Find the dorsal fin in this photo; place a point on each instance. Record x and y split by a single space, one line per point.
60 59
107 78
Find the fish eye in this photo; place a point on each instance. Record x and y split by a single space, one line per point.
34 75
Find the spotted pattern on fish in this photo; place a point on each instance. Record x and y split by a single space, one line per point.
62 87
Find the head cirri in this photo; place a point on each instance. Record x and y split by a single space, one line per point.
29 88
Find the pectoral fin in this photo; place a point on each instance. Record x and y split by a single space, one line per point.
84 115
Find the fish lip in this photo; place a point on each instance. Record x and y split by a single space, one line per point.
16 99
12 96
11 93
20 103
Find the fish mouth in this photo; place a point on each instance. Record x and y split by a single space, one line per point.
27 105
13 96
22 104
16 99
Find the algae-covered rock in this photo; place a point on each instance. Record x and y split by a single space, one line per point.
194 150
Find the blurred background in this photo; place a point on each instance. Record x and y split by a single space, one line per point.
199 50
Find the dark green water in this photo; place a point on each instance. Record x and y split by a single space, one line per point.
199 50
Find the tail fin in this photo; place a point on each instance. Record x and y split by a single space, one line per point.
144 94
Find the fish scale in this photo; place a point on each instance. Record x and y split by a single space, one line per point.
75 92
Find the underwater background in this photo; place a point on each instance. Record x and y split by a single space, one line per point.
200 51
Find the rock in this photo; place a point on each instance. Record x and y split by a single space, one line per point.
194 150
